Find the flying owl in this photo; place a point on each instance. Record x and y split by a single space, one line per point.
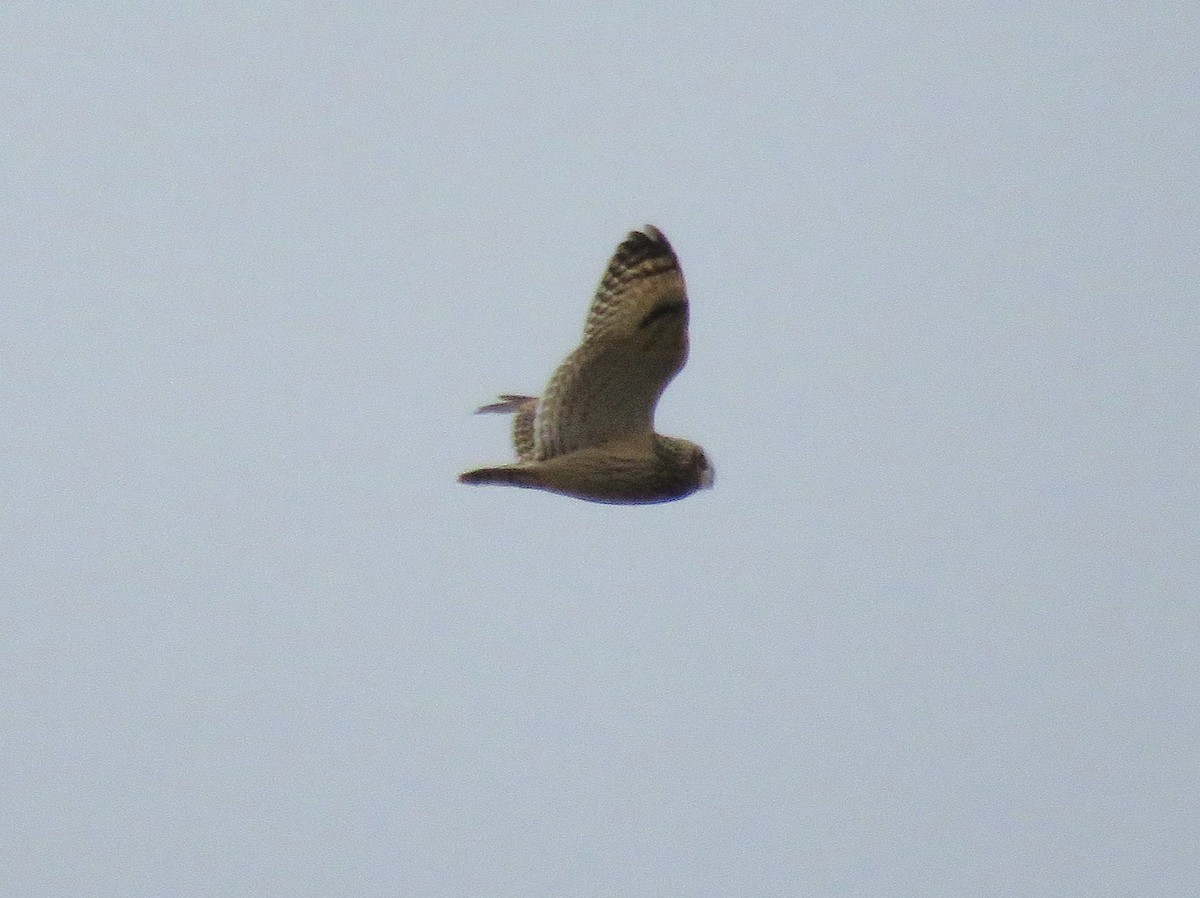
591 435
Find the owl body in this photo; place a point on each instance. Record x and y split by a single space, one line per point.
591 436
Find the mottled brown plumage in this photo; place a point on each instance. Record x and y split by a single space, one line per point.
592 434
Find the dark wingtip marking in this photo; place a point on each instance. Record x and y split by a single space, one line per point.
479 475
512 475
640 246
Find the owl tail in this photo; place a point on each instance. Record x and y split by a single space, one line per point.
504 475
508 404
525 408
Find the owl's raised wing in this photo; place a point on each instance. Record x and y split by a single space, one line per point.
634 341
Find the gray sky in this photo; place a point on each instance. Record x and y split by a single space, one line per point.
935 631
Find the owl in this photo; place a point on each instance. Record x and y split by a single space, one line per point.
591 435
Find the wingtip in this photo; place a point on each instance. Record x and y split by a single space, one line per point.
504 475
647 243
478 475
652 240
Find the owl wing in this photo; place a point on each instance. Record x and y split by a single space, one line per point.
634 341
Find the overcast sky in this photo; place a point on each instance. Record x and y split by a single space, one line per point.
935 631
